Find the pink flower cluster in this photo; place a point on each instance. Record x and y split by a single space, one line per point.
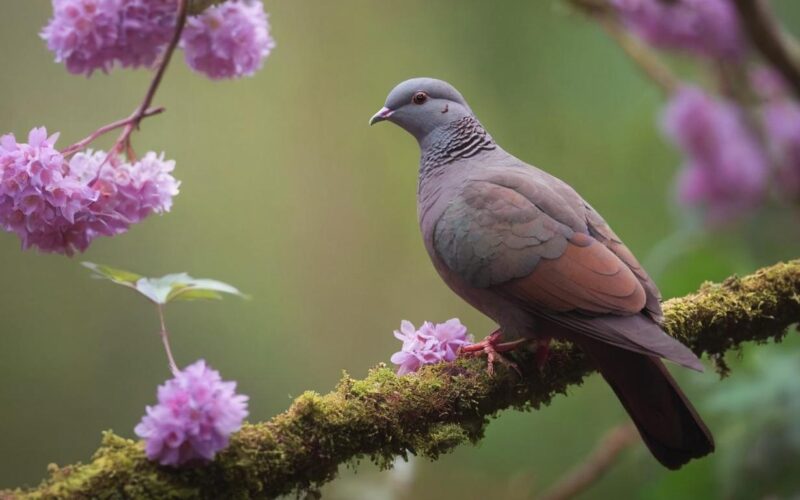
432 343
89 35
705 27
725 170
228 40
782 126
728 168
195 415
59 205
225 41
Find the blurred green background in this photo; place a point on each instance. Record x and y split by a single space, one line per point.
289 195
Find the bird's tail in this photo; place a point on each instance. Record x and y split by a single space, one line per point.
669 425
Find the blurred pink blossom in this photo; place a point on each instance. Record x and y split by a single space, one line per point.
706 27
725 171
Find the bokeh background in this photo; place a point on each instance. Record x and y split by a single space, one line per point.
289 195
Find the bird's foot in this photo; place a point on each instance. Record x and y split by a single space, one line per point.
542 352
492 347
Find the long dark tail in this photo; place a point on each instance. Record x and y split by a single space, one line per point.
668 423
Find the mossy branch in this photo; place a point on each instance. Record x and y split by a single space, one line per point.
427 414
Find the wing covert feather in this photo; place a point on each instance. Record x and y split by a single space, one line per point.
494 236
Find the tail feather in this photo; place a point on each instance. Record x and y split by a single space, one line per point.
635 333
666 420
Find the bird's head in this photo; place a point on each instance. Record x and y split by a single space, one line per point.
421 105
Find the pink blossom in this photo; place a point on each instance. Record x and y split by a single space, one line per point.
89 35
432 343
60 206
706 27
39 200
229 40
195 415
131 192
146 27
782 125
725 170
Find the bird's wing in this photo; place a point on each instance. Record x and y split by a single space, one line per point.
525 241
494 234
600 230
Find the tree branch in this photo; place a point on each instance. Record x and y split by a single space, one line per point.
767 36
645 59
428 414
596 465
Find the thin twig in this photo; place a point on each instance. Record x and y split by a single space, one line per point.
123 142
766 34
602 458
645 59
106 129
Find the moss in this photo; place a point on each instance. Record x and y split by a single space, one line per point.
427 413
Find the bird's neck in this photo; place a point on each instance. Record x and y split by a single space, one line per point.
459 139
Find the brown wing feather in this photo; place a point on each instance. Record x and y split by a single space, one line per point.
587 278
600 230
557 259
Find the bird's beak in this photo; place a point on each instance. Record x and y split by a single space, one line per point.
381 115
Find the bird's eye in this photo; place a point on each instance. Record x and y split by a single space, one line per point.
419 98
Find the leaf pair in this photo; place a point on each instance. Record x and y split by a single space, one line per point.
179 286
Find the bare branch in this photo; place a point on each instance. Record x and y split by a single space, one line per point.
645 59
595 466
767 36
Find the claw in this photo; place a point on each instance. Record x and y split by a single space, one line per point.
492 347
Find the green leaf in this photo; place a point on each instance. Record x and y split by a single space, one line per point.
178 286
189 293
119 276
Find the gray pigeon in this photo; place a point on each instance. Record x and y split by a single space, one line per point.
525 249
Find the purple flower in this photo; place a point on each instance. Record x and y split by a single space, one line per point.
229 40
725 169
782 125
146 27
705 27
131 192
432 343
768 83
195 415
91 35
82 33
39 200
59 205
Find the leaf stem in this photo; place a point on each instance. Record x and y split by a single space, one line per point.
165 339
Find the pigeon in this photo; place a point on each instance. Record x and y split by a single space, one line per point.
524 248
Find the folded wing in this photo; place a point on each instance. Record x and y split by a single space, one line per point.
529 243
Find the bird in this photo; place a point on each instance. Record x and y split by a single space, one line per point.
525 249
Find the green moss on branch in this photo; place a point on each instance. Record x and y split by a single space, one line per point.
427 414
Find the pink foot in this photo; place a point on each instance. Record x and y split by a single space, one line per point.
542 351
492 347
